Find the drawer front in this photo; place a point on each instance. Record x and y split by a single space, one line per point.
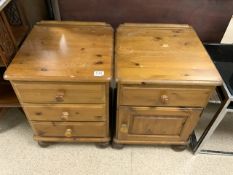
156 123
66 112
60 93
149 96
70 129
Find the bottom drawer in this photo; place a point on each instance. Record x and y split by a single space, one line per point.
70 129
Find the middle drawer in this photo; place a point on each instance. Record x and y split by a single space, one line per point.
66 112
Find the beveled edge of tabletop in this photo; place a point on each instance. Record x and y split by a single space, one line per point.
153 25
58 78
71 23
170 82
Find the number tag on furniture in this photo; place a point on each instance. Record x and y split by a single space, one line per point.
98 73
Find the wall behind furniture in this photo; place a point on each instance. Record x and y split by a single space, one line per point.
208 17
35 10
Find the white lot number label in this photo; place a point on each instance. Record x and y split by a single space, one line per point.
98 73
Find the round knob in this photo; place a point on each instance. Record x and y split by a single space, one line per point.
60 97
65 116
124 128
68 133
164 99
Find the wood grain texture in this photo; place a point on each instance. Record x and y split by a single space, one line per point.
156 123
149 142
49 92
66 112
86 119
73 139
165 78
64 53
176 96
77 129
71 23
159 125
53 77
162 54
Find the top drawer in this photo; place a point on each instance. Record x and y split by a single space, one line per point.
60 92
164 96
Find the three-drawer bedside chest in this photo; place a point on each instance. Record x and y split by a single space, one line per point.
164 80
61 76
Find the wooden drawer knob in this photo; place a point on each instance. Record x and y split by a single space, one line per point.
68 133
65 116
164 99
124 128
60 97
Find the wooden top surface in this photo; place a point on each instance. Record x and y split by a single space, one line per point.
162 53
64 51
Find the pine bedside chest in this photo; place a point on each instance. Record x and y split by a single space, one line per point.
164 80
61 76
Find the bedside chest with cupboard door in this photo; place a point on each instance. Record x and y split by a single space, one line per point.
164 80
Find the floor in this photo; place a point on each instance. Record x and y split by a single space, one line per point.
20 155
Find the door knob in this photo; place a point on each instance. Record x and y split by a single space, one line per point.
124 128
68 133
164 99
60 96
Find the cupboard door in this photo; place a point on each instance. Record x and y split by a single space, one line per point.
156 123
